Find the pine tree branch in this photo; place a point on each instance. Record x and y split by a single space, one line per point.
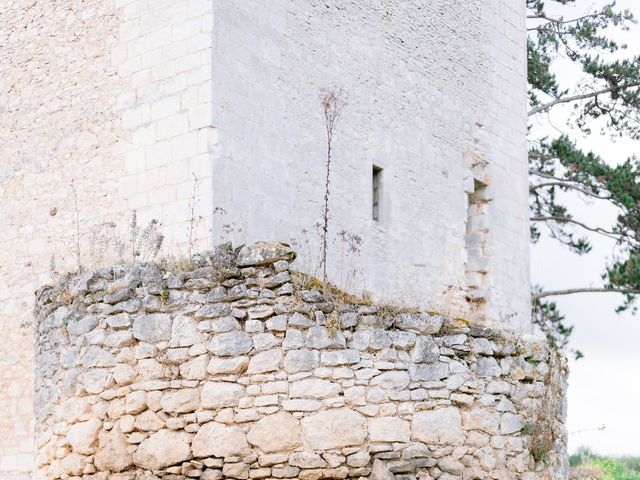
571 291
564 184
547 106
559 219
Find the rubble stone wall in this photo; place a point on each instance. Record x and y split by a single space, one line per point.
238 368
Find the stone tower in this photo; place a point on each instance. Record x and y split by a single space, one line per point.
132 99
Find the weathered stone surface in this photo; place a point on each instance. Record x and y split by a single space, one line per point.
268 361
195 369
162 449
221 394
320 337
340 357
230 344
83 436
97 357
393 380
264 253
214 310
265 341
510 423
73 464
301 361
152 328
219 440
181 401
422 323
96 380
113 454
482 419
135 402
380 471
84 325
314 388
438 426
300 321
184 332
428 372
487 367
293 339
388 429
425 350
260 312
148 421
228 365
279 432
334 428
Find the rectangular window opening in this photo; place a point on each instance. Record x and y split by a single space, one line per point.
377 189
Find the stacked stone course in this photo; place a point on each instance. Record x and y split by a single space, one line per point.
233 370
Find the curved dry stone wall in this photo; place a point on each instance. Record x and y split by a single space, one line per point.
234 370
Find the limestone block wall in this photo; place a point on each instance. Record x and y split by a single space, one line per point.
436 94
112 95
239 368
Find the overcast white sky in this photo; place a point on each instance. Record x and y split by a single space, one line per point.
604 387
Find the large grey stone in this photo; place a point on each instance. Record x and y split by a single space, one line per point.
510 423
425 350
340 357
422 323
380 471
279 432
268 361
300 321
293 339
217 395
84 325
230 344
428 372
264 253
334 428
301 361
320 338
482 419
487 367
214 310
392 380
163 449
441 426
152 328
184 332
218 440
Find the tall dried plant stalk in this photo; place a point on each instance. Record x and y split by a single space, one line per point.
76 221
333 102
193 219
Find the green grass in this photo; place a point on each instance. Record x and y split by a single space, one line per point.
608 468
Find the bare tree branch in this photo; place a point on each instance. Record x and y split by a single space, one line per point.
565 184
602 231
571 291
547 106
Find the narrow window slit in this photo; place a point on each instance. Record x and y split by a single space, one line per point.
376 193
